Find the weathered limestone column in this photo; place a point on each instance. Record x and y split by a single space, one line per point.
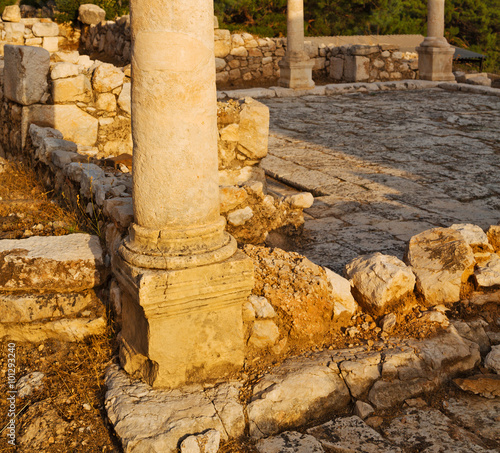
296 67
182 278
435 55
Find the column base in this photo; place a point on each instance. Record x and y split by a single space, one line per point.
435 63
296 74
183 326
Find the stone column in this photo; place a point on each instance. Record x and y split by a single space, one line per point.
435 55
296 67
183 281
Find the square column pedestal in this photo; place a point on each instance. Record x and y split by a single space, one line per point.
183 326
296 74
436 63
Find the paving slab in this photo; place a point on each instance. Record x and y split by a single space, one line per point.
386 165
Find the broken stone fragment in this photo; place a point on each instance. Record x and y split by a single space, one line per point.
488 273
11 13
442 261
494 237
379 281
253 129
240 216
262 308
344 303
301 200
492 360
487 385
91 14
363 410
107 77
265 333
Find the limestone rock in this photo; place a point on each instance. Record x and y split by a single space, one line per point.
301 200
351 434
254 129
43 29
487 385
380 281
477 414
479 80
433 430
63 69
344 303
202 443
222 43
297 392
64 329
240 216
71 89
28 383
125 100
53 263
18 308
262 308
25 73
473 235
107 77
91 14
226 399
442 260
106 102
488 273
289 442
11 13
361 373
492 360
293 284
75 124
51 43
265 333
162 418
120 210
494 237
363 410
388 322
231 197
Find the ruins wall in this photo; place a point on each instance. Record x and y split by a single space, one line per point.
243 58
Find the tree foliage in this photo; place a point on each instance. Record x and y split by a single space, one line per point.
473 24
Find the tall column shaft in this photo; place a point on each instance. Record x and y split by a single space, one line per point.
296 67
174 130
435 19
435 55
295 30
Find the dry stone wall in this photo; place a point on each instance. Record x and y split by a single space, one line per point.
32 31
241 58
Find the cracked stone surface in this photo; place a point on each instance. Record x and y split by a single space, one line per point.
385 166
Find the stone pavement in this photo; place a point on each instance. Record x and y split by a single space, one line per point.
386 165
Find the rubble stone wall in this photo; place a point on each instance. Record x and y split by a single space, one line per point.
244 58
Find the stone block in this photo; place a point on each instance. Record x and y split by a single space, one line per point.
73 123
222 43
357 69
25 74
107 77
183 326
91 14
337 68
63 70
362 50
43 29
11 13
51 43
296 75
54 263
14 31
71 89
254 129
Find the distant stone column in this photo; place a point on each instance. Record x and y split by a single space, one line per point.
296 67
183 280
435 55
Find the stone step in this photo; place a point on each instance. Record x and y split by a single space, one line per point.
57 264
